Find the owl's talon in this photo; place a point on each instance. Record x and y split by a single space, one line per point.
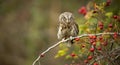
71 37
63 39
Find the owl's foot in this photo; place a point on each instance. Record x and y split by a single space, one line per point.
71 38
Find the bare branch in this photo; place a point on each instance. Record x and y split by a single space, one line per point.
71 38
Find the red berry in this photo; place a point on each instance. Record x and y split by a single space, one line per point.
110 25
82 10
90 36
100 38
99 48
94 11
83 45
94 37
115 16
92 49
100 23
73 54
108 2
95 63
77 39
101 27
115 35
85 61
94 43
42 55
91 41
105 43
90 57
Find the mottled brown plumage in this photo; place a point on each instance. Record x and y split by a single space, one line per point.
67 27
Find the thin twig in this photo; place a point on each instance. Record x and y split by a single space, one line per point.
47 51
99 58
71 38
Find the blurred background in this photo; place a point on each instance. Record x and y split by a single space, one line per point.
28 27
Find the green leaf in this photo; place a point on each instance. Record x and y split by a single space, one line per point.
109 14
93 20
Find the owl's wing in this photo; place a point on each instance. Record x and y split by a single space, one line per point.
75 29
59 34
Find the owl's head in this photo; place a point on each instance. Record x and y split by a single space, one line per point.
66 17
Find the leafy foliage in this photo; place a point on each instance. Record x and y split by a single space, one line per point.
95 50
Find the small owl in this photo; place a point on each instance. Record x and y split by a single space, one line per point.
67 27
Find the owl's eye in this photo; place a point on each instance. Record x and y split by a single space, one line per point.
71 19
64 19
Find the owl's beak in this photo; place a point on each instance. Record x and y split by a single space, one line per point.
68 21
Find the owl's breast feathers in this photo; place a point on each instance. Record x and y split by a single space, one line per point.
68 30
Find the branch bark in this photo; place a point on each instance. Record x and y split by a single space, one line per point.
71 38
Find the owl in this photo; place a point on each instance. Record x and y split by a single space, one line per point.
67 27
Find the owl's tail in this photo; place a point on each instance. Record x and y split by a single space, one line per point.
69 43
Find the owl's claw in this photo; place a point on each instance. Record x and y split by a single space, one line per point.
63 39
71 37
